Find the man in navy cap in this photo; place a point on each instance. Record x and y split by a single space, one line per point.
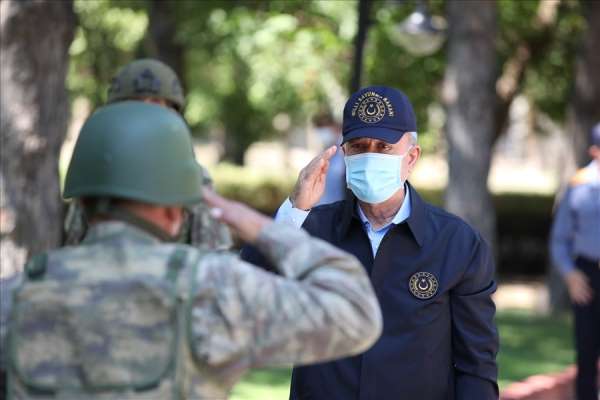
575 250
432 273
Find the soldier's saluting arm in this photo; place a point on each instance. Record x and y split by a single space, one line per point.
321 307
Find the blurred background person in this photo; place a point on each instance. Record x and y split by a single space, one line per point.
575 250
329 132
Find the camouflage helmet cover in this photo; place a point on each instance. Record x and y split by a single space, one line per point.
146 77
138 151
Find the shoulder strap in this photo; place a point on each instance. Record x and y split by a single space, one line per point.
175 264
35 268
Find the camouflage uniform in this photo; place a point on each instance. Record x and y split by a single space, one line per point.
228 316
126 316
140 79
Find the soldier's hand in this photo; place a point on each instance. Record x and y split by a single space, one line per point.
310 185
241 219
579 287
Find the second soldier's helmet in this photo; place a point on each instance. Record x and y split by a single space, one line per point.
138 151
147 77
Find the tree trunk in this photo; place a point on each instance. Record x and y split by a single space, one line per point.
35 39
470 97
364 10
161 38
584 107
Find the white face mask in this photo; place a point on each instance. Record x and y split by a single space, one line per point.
327 136
374 177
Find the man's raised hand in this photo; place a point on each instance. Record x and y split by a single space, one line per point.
310 185
243 220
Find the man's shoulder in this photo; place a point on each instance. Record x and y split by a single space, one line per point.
70 262
446 217
327 214
441 219
582 177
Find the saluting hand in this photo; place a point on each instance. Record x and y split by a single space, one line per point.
243 221
310 185
579 287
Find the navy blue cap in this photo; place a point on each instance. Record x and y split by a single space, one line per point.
378 112
596 135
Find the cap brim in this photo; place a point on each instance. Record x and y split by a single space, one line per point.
386 134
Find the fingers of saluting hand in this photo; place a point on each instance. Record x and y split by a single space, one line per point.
220 207
329 152
320 163
213 199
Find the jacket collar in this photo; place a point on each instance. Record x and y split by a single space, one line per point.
416 221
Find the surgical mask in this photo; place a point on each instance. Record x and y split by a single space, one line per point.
374 177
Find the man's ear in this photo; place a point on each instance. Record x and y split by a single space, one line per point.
413 156
415 153
174 217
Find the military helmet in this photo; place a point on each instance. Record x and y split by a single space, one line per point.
146 77
138 151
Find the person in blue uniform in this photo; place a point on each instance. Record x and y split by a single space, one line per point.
433 274
575 251
329 132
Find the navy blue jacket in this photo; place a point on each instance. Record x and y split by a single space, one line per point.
443 347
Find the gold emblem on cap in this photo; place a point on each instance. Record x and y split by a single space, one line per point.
371 110
423 285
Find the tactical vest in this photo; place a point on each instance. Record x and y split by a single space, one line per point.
96 335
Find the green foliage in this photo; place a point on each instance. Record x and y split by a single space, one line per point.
548 79
106 38
254 61
250 62
255 188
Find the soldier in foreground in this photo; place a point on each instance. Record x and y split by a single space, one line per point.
131 314
152 81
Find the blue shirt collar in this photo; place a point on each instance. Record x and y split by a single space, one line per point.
418 221
402 214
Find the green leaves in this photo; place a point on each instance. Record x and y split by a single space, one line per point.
248 61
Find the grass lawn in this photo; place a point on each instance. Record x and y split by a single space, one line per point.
529 344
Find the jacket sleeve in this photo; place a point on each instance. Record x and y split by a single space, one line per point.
321 307
561 237
474 333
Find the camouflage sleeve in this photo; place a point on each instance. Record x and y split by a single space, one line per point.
322 307
206 232
8 285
